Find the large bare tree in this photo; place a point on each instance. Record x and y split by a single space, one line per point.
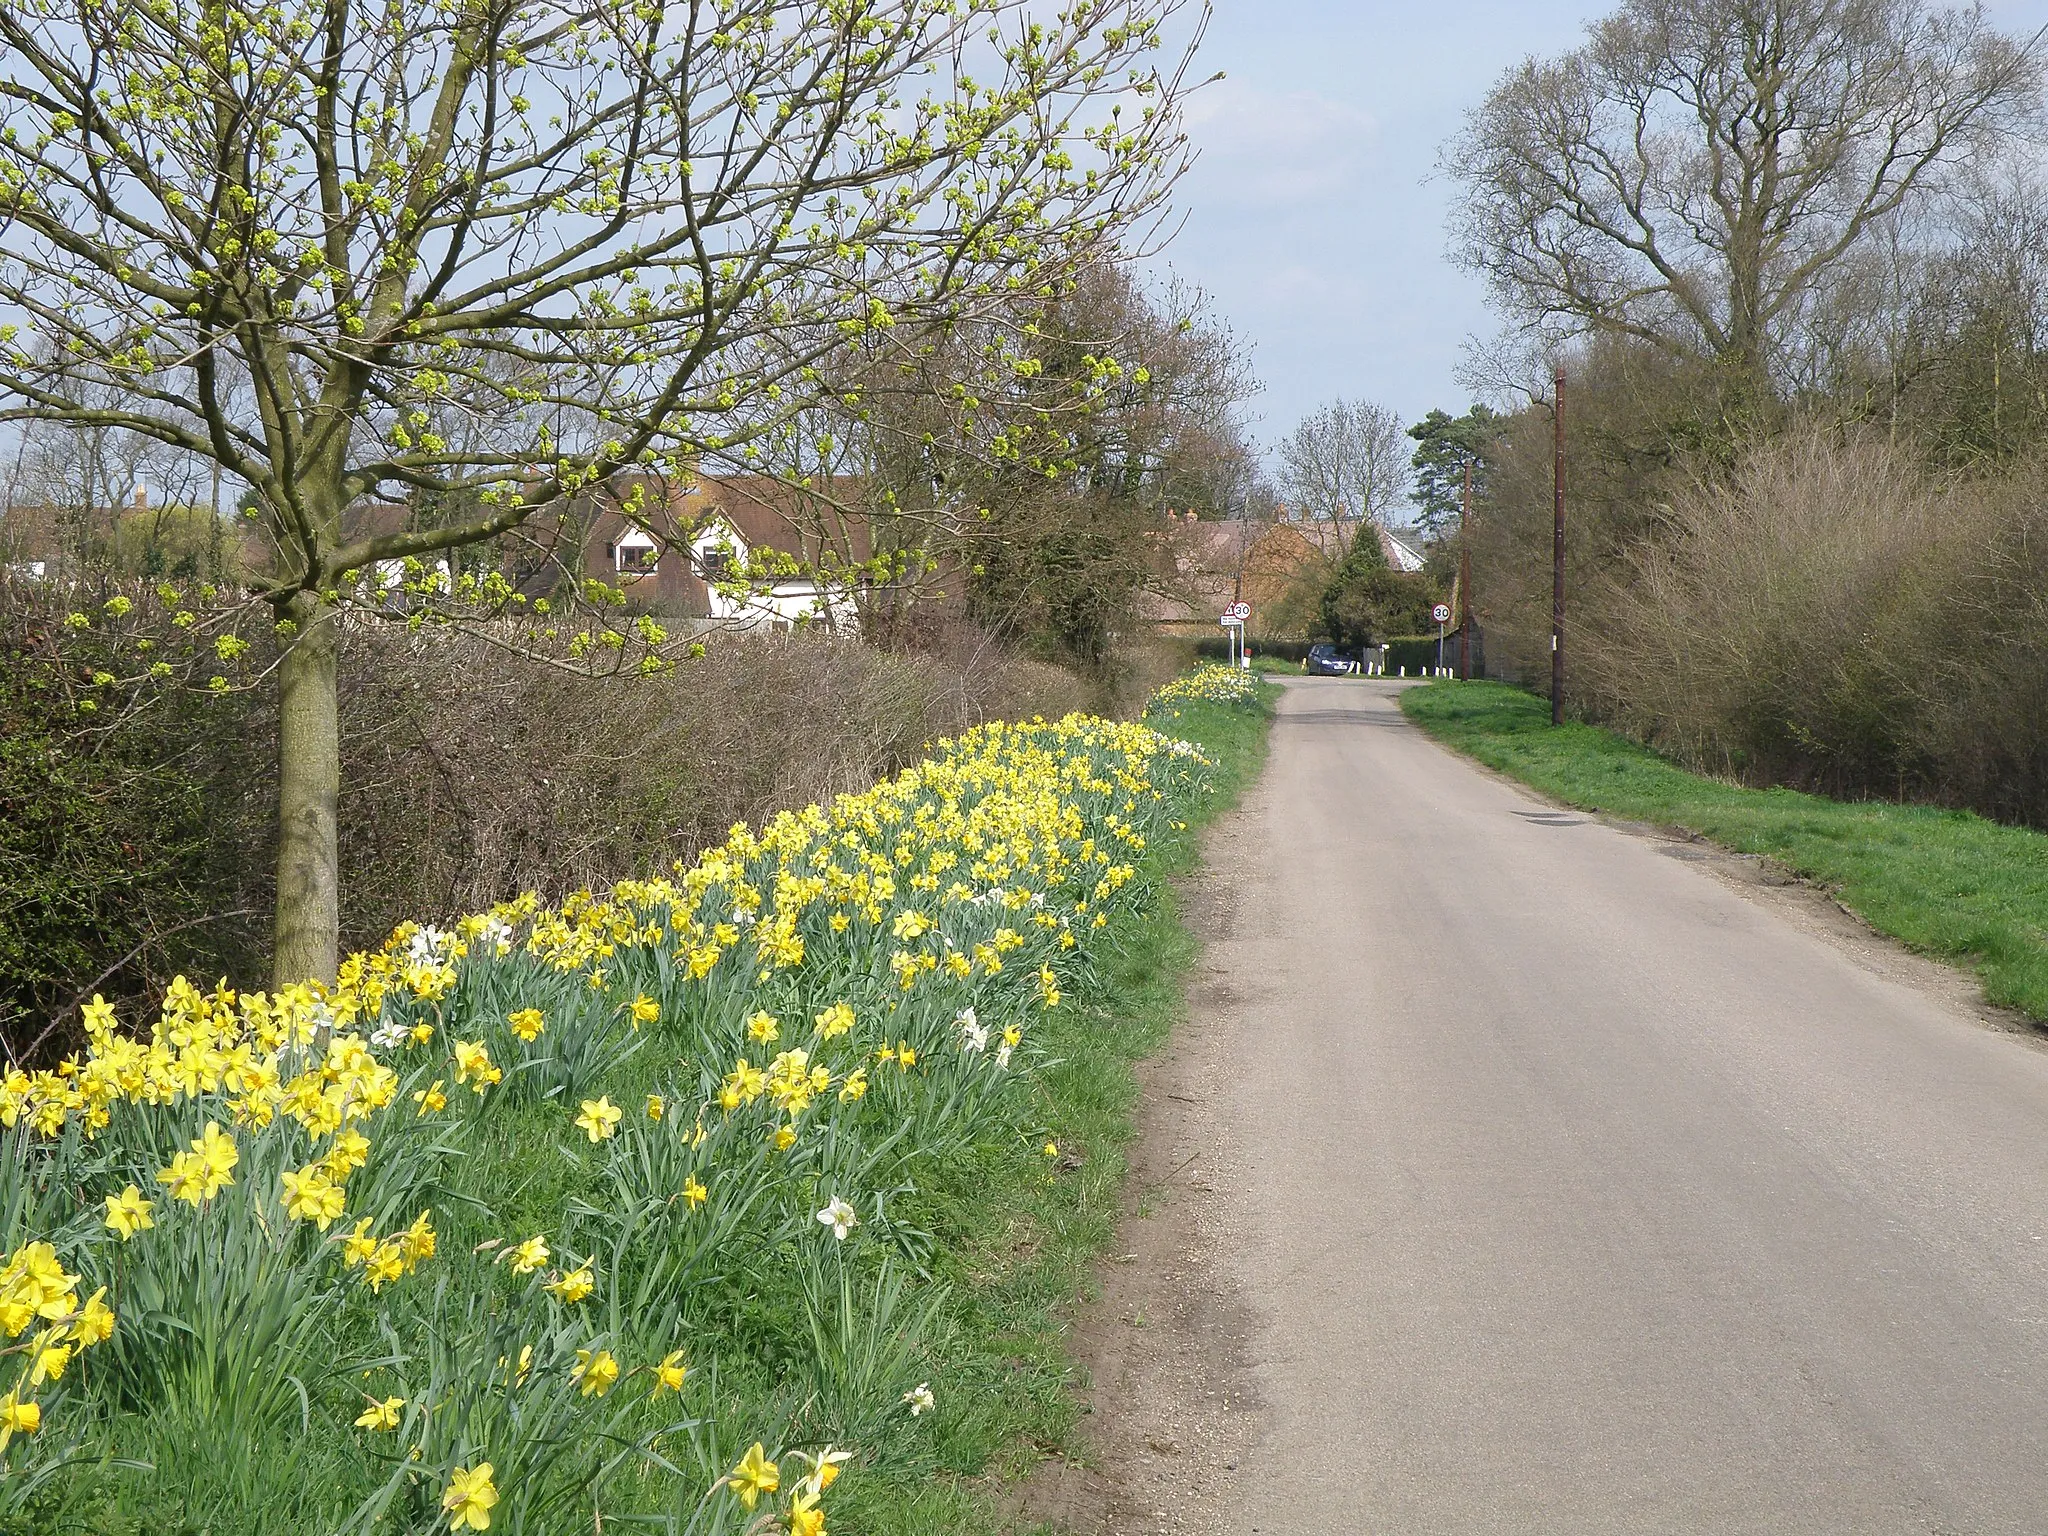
1695 175
1344 460
485 254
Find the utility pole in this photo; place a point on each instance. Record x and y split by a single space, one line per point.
1557 565
1465 582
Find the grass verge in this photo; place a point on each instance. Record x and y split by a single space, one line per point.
1024 1231
276 1415
1947 883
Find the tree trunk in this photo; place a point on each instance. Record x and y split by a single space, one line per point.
308 931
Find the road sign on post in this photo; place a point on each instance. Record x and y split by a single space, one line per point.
1233 622
1240 611
1441 613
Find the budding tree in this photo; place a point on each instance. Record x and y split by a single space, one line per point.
482 255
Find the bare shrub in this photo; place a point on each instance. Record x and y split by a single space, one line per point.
1827 614
473 775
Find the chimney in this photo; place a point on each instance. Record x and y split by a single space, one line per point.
142 498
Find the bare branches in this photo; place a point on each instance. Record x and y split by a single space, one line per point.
1347 460
1697 173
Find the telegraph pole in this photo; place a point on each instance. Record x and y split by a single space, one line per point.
1557 565
1465 582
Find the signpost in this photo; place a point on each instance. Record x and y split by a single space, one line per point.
1233 623
1442 614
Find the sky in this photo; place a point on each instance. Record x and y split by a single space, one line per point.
1314 216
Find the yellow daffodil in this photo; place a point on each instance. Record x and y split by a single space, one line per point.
670 1373
763 1027
206 1170
95 1324
469 1498
528 1256
527 1023
310 1196
382 1415
594 1372
357 1247
384 1265
49 1364
128 1213
19 1418
656 1105
598 1119
418 1241
754 1476
805 1517
574 1286
645 1010
473 1065
430 1098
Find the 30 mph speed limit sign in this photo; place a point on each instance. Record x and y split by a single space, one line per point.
1441 613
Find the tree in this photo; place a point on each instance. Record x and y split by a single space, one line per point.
1446 447
1343 461
1697 174
1368 600
485 256
1098 412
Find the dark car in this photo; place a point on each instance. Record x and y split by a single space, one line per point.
1327 661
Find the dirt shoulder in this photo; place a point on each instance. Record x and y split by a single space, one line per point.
1164 1347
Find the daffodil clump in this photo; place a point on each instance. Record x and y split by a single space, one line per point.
1209 684
471 1212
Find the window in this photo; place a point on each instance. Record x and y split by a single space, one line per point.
636 555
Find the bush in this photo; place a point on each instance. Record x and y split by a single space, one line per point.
1829 615
469 776
1368 600
124 833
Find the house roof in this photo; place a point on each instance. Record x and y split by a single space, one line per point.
817 525
1403 550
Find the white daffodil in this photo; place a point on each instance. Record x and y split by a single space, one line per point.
839 1216
920 1398
973 1033
427 944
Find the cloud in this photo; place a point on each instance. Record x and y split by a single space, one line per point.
1267 150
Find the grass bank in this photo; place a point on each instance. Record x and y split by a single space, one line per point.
1024 1235
1948 883
637 1250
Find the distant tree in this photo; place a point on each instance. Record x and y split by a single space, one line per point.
1700 172
1445 446
1367 600
1344 460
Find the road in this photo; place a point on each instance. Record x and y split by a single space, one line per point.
1570 1188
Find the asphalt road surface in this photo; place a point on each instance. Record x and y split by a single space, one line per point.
1575 1190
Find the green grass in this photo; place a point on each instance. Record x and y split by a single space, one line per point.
1947 883
1022 1232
